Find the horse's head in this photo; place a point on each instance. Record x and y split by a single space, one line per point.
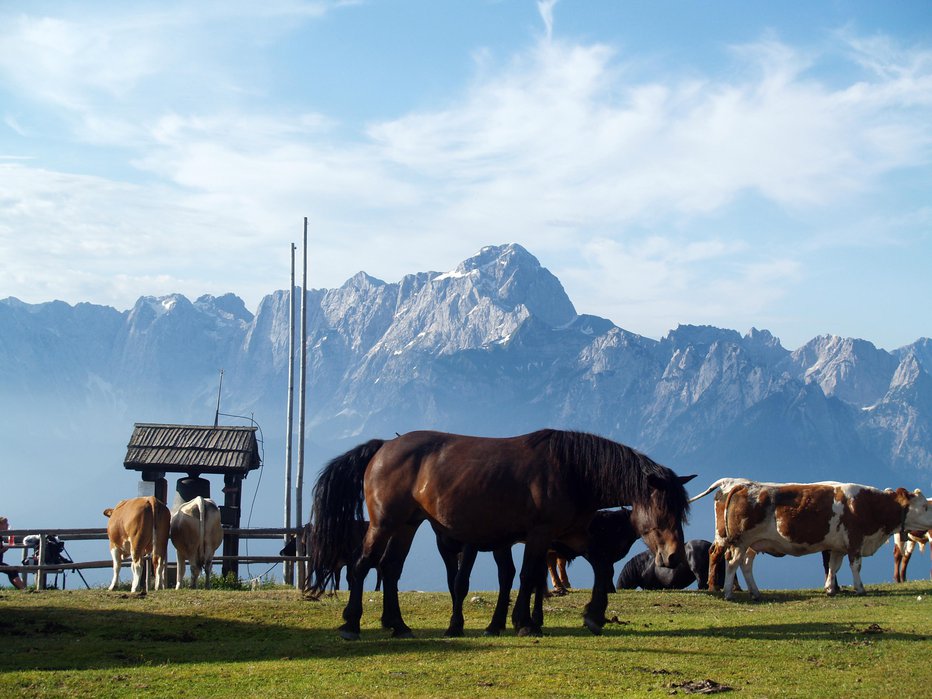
659 520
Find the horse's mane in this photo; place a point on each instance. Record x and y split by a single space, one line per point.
613 473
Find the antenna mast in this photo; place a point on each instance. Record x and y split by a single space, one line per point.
289 567
299 486
219 391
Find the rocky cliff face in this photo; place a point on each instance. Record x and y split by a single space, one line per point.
493 347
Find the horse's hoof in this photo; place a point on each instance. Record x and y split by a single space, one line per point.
492 632
560 592
453 633
593 626
404 633
530 631
349 635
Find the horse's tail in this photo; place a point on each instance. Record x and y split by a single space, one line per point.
338 499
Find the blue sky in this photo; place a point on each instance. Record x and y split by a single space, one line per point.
738 164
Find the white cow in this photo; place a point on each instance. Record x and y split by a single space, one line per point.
137 527
196 534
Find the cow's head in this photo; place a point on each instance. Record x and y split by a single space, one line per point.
917 513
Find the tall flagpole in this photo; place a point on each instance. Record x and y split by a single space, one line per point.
299 485
289 567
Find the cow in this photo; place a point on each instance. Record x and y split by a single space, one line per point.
904 543
138 527
196 534
641 571
799 518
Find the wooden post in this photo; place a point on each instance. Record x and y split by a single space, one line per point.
40 552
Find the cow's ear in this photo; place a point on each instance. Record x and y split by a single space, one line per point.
685 479
108 512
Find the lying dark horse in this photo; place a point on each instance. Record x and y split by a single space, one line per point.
641 572
488 493
609 538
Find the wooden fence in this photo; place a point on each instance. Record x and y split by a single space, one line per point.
42 570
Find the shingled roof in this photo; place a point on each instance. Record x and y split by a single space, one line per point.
193 449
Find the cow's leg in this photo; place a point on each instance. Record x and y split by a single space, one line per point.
207 566
180 575
715 555
116 553
138 566
831 576
908 549
460 590
158 566
732 559
506 576
533 570
854 562
195 572
392 563
746 561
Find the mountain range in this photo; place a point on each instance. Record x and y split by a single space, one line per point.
494 347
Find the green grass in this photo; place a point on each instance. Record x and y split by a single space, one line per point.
270 643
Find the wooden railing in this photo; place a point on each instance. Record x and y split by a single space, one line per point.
41 570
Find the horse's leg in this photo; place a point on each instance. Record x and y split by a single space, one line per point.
506 577
392 563
372 549
537 614
594 613
561 568
533 569
460 590
555 582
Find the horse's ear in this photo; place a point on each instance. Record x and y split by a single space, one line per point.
685 479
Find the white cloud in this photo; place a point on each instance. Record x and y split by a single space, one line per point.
567 149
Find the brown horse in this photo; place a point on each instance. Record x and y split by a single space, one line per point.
488 493
610 537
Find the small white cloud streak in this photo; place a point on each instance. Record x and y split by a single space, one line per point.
564 149
545 8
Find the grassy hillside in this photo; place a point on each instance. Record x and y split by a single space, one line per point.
270 643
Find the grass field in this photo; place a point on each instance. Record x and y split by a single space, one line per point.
270 643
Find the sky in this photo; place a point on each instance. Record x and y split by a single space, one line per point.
737 163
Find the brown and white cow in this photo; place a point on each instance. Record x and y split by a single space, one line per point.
904 543
799 518
196 534
138 527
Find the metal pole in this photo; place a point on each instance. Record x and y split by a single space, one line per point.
289 567
299 485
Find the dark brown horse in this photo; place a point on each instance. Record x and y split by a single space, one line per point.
609 538
488 493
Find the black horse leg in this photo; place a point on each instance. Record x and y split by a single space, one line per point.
537 615
461 589
373 546
533 570
392 564
594 613
506 577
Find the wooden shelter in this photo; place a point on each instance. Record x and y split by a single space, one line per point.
232 452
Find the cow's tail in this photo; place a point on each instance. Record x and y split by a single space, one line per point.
201 507
338 500
724 483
